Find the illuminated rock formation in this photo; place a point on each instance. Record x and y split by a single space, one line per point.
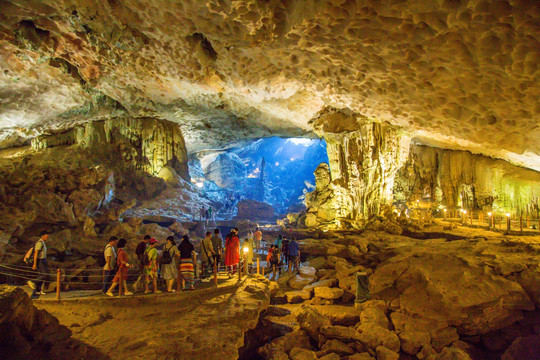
461 179
364 157
457 74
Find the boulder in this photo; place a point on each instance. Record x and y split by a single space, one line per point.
60 241
311 321
404 322
413 341
451 353
445 287
319 262
298 296
375 315
443 337
302 354
361 356
339 314
523 348
338 347
374 335
384 353
326 282
4 241
326 292
50 208
178 229
343 333
331 356
255 210
85 202
306 276
282 345
89 227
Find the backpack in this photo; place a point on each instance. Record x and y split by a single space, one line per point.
102 261
145 260
29 256
166 258
275 256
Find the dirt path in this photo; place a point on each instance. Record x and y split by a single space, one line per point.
205 324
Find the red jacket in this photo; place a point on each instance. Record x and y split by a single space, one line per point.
232 249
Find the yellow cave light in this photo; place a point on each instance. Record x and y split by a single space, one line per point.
444 210
489 214
507 214
246 249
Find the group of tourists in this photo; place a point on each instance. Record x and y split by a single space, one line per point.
283 252
176 263
206 214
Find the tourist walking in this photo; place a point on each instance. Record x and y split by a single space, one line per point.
187 273
150 266
257 238
139 251
285 250
123 266
279 240
217 243
210 214
294 255
169 270
232 248
38 258
207 255
275 260
110 263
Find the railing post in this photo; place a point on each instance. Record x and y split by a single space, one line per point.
58 280
258 266
521 224
239 269
215 272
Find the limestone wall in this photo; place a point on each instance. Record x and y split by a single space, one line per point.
363 159
461 179
148 144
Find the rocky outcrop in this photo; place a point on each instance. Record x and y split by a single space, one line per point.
30 333
363 160
255 210
461 179
147 144
456 73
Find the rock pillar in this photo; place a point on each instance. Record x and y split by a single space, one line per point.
364 157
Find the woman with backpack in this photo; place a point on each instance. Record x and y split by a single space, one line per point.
168 263
150 266
122 265
187 272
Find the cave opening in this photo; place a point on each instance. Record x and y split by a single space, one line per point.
258 180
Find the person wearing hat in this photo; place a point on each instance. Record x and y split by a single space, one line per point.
150 270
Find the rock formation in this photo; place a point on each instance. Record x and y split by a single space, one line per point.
29 333
461 179
364 157
458 74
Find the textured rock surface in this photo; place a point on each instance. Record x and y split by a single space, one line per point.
30 333
460 74
363 160
462 179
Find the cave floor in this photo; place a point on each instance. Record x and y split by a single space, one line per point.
197 324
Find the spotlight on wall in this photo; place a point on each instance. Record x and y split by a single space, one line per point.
444 210
507 214
246 249
200 185
489 214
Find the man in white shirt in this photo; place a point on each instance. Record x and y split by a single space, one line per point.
110 263
40 265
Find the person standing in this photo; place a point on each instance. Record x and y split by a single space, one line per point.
285 250
110 263
217 244
40 264
210 214
187 273
203 211
257 237
275 260
232 248
207 254
279 240
123 266
168 263
139 251
294 255
151 267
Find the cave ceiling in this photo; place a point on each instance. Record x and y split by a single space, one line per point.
455 74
